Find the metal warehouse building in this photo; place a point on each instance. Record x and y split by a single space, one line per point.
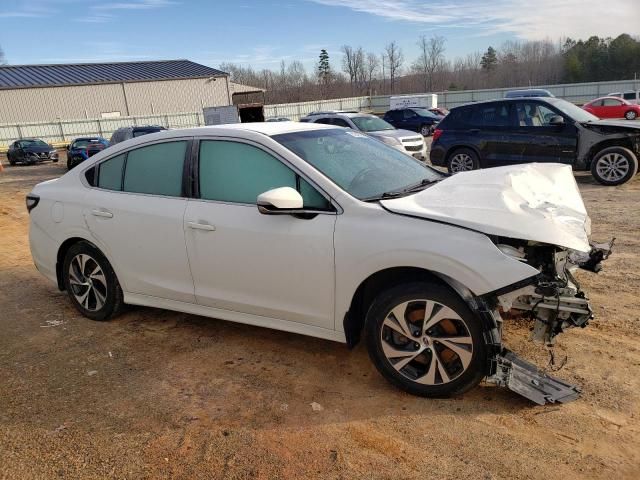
43 93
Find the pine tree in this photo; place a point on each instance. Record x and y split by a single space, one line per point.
489 59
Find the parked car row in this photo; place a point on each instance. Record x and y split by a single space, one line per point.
29 151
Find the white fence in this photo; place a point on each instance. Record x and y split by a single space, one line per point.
295 111
66 130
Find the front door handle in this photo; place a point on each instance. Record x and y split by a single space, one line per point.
201 226
101 213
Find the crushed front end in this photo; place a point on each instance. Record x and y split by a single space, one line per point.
553 301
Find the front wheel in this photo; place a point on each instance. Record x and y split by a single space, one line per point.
425 130
463 160
630 115
91 283
614 166
423 338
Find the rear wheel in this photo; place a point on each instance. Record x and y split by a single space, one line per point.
12 160
425 130
614 166
71 163
91 283
463 160
423 338
630 115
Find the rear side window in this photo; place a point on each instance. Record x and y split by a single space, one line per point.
629 96
457 118
110 176
156 169
324 121
237 173
339 122
611 102
491 115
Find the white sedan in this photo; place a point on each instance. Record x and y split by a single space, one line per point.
325 232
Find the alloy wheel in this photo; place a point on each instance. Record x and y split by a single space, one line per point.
461 162
426 342
88 282
630 115
613 167
425 131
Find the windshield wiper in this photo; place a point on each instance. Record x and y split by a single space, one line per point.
398 193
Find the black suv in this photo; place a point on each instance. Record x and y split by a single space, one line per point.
524 130
126 133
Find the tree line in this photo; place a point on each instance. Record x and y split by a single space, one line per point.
515 63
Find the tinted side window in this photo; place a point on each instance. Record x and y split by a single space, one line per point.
491 115
338 122
156 169
629 96
238 173
324 121
611 102
457 118
110 176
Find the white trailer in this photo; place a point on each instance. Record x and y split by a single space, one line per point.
417 101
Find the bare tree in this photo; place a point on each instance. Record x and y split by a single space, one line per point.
431 59
353 65
395 60
372 66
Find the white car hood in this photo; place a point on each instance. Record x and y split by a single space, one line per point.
537 202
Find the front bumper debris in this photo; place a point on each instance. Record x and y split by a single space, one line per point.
527 380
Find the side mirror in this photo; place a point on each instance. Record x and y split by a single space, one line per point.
556 120
280 201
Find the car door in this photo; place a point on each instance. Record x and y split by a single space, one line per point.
534 139
613 108
18 152
488 129
271 266
135 213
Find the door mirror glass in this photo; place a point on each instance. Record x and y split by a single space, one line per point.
556 120
279 200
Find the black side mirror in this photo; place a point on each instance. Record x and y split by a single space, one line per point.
556 120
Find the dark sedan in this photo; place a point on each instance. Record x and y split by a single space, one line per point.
416 119
31 150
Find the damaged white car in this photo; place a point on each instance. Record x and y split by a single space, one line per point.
326 232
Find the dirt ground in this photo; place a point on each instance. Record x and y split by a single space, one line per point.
156 394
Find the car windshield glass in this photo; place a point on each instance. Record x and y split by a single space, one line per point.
34 143
423 112
573 111
85 142
360 165
371 124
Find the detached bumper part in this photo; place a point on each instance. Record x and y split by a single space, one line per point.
527 380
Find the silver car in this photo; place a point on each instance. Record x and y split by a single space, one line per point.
406 141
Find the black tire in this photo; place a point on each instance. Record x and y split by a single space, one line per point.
462 160
112 293
70 163
12 161
614 166
377 327
425 130
630 115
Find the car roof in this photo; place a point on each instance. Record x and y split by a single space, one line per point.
266 128
605 97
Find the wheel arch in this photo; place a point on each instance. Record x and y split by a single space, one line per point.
625 142
375 283
62 252
452 150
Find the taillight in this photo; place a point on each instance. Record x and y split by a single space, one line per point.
32 201
436 134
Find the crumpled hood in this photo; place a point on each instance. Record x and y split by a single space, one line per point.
537 202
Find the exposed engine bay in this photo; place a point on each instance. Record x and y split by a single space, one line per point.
554 302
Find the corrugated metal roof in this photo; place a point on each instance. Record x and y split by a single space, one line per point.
24 76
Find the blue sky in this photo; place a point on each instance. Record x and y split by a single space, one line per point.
263 32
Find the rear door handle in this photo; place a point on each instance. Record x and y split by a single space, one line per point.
101 213
201 226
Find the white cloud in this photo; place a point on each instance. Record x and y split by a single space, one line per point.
527 19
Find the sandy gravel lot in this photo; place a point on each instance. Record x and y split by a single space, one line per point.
155 394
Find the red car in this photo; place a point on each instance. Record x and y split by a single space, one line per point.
612 107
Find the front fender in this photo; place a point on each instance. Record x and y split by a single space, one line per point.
469 258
